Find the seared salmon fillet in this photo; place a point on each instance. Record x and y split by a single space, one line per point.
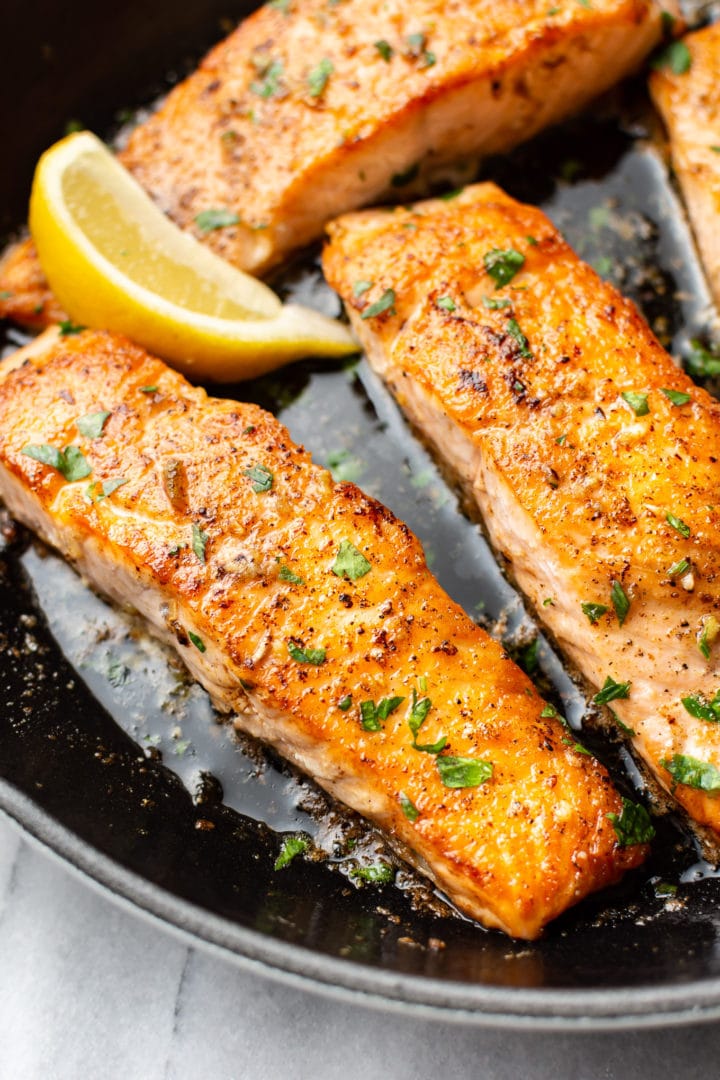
689 103
311 108
592 459
307 611
25 295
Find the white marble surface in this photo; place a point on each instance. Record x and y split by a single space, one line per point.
88 990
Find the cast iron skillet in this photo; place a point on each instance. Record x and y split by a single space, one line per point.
109 758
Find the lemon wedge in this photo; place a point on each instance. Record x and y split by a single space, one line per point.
116 262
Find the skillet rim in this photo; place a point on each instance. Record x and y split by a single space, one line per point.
476 1004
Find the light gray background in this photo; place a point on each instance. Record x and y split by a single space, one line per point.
90 991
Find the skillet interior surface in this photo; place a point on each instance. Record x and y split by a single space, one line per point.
111 758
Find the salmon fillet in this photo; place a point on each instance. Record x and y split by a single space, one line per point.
689 103
593 460
307 611
25 295
311 108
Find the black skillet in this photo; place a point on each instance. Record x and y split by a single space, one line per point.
109 758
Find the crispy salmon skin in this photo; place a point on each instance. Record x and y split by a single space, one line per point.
592 458
307 611
688 99
311 108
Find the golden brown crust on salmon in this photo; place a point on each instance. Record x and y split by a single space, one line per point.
225 536
311 109
689 103
25 295
595 498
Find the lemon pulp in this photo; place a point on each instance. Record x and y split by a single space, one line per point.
115 262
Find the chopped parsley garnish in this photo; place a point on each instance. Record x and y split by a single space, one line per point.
502 266
515 331
199 540
431 748
286 574
446 303
317 79
678 569
529 656
374 716
361 287
385 49
402 178
692 772
678 525
148 389
668 22
448 196
419 710
262 478
623 727
637 402
418 713
675 56
269 82
632 825
415 44
207 220
306 656
612 691
620 601
6 294
493 304
291 847
280 5
380 873
702 709
701 363
594 612
385 303
91 425
68 327
561 440
197 641
576 746
677 397
708 634
408 807
345 703
343 465
350 563
105 488
549 712
463 772
70 462
117 673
